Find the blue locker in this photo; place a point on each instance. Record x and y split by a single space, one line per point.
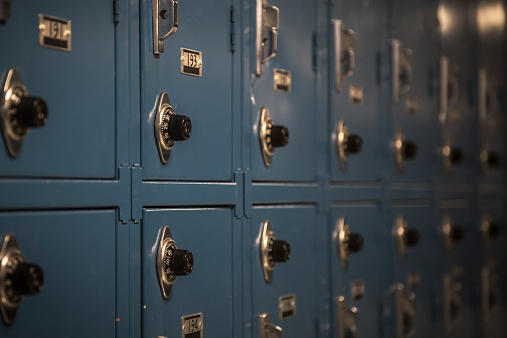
413 90
76 251
75 77
359 37
360 275
273 289
202 92
281 92
207 290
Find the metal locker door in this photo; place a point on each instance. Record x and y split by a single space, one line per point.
357 48
77 255
359 269
190 60
414 97
64 56
282 91
416 262
284 269
199 301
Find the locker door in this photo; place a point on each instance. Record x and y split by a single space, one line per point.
201 91
76 85
357 101
291 280
206 290
290 105
76 252
360 275
414 96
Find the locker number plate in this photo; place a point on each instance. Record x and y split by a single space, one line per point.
287 306
55 33
191 62
282 80
192 326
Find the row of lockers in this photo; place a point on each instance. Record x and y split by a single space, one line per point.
399 78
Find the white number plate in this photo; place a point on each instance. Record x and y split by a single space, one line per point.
55 33
192 326
191 62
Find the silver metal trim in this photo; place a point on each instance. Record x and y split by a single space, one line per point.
201 324
401 61
342 233
265 124
266 16
484 228
291 301
399 140
166 239
342 133
163 105
267 237
343 48
446 231
267 329
445 152
182 59
405 305
399 231
448 78
171 28
483 92
346 318
452 298
10 256
65 35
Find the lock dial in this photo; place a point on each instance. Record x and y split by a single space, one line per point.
405 236
453 233
403 150
271 136
171 261
451 156
347 144
348 242
272 250
169 127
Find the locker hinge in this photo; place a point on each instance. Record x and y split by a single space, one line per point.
124 203
233 29
116 11
247 182
136 186
239 179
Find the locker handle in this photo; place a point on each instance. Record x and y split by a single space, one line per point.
344 55
165 22
266 17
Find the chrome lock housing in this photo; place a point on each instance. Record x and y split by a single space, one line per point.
489 289
488 97
490 230
165 22
266 34
348 242
19 112
489 159
452 298
405 311
17 278
171 261
346 143
405 237
344 57
346 319
271 136
449 88
453 233
451 156
272 250
169 127
403 150
401 69
268 329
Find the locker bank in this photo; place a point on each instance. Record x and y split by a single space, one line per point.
253 168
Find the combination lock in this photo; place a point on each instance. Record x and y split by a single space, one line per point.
453 233
272 250
169 127
348 242
347 144
271 136
405 236
404 150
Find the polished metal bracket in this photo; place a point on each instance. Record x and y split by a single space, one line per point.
265 128
342 133
165 22
346 319
267 237
400 230
164 110
344 56
266 34
401 69
267 329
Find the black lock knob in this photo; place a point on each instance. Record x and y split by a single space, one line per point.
355 242
456 233
354 144
456 155
409 150
493 159
494 230
31 112
280 251
454 310
180 127
412 237
408 323
182 262
279 136
26 279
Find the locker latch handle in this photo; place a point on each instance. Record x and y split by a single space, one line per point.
266 33
344 55
267 329
165 22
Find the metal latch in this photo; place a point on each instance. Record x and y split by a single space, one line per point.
348 242
488 104
401 69
405 312
449 87
452 299
267 329
165 22
344 56
272 250
266 33
5 10
347 144
489 289
347 319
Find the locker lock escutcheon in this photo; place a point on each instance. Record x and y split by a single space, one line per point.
489 159
268 329
171 261
401 69
17 278
451 156
405 311
266 33
449 87
347 144
19 112
165 22
490 230
405 236
404 150
348 242
344 56
452 299
271 136
346 319
272 250
169 127
453 233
